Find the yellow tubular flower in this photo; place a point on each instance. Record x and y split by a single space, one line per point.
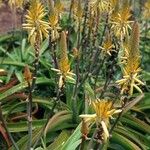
108 46
35 24
120 22
64 66
131 68
103 112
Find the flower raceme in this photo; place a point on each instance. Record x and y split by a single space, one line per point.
63 61
77 11
107 47
35 24
59 6
121 22
16 3
146 10
53 21
131 68
103 113
101 5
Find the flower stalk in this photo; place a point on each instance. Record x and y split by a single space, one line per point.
37 29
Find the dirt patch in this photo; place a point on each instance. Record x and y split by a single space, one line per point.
9 19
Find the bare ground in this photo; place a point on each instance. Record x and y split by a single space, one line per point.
9 19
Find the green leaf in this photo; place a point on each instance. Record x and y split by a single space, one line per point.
44 46
22 125
8 54
146 75
124 142
16 106
22 143
89 91
74 140
57 119
140 136
129 135
15 63
3 38
19 76
39 148
64 135
22 86
135 123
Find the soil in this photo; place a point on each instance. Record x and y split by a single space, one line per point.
9 19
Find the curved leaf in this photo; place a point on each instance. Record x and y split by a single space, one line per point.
130 136
124 142
135 123
22 86
74 140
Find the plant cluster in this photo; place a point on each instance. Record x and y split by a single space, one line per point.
78 78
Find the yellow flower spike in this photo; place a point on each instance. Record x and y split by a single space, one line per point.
79 12
64 65
113 3
108 46
121 22
53 21
35 25
63 62
146 10
104 111
53 18
101 5
131 68
74 6
59 6
15 3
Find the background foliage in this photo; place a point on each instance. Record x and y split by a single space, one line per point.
78 63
